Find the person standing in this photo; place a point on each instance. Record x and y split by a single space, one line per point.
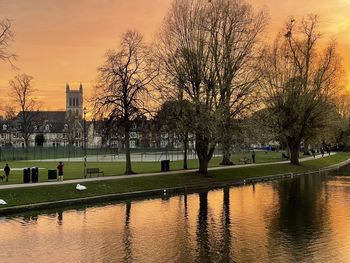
7 171
253 156
60 171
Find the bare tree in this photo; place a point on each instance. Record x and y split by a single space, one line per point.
188 71
73 128
234 31
300 82
208 51
6 37
122 91
22 93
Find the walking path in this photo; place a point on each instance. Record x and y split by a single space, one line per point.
84 180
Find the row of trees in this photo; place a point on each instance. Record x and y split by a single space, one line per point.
211 69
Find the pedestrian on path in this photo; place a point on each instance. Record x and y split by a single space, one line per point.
60 171
7 171
253 156
313 153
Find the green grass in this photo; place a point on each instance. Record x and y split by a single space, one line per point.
39 194
74 170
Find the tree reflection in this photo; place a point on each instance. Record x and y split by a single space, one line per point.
127 236
202 228
301 216
225 243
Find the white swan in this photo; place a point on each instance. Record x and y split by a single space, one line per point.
80 187
2 202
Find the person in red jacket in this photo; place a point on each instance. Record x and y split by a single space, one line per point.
60 171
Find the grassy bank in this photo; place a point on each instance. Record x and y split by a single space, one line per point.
74 170
40 194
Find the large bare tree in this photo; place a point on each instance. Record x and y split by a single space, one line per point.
300 81
189 73
234 30
208 51
122 92
22 93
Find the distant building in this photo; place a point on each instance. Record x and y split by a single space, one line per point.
59 128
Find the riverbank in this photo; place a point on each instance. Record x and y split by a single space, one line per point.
58 195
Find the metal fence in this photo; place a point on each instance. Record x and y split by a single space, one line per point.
70 153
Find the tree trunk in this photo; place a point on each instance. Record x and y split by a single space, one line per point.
204 152
203 166
185 142
294 153
306 148
226 155
128 169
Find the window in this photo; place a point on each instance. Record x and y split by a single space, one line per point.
4 127
2 136
132 144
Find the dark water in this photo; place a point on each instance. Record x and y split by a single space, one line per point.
303 219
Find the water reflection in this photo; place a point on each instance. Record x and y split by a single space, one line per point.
305 219
302 216
127 237
202 228
226 232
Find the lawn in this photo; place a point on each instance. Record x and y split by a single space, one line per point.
75 170
39 194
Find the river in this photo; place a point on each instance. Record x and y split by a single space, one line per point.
304 219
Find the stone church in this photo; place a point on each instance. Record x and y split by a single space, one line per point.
55 128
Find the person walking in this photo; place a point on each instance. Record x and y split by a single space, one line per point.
7 171
313 152
60 171
253 156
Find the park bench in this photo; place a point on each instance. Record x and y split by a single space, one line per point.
90 171
244 160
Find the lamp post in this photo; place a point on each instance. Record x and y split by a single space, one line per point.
84 142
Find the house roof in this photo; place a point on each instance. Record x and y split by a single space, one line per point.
41 116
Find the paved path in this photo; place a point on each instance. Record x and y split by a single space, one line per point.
106 178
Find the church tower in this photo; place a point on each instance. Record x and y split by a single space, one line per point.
74 101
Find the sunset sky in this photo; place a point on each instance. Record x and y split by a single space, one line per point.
59 41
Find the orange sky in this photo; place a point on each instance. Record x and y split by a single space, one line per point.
64 40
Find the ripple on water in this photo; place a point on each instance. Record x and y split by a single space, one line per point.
305 219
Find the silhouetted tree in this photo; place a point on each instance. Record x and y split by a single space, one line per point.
22 93
39 139
176 117
300 83
122 92
6 37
